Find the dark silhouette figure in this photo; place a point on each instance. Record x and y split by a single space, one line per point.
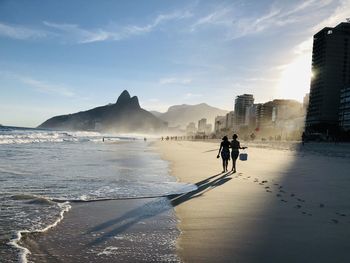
303 138
225 153
235 145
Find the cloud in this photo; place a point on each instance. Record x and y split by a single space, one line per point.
218 17
39 85
174 81
239 24
136 30
74 33
304 47
78 34
46 87
261 79
339 14
21 32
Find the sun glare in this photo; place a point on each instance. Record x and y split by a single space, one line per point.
295 78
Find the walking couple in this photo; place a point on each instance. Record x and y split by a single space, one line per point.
225 146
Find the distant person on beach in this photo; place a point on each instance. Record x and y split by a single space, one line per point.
235 146
225 153
303 138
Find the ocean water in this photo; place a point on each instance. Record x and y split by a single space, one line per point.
42 172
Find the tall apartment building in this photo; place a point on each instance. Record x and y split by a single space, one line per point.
344 109
202 123
191 129
220 124
242 102
331 68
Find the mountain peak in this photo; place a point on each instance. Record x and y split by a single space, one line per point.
124 97
134 101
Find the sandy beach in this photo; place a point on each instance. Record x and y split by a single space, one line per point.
280 206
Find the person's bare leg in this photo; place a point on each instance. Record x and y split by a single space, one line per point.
223 165
234 165
226 164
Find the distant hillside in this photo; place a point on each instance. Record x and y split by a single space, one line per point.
125 115
156 113
184 114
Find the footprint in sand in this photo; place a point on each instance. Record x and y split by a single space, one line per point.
297 206
284 201
268 191
301 200
267 187
292 195
278 195
321 205
335 221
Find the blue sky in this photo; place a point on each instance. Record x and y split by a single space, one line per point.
59 57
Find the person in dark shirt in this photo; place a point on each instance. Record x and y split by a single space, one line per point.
225 153
235 146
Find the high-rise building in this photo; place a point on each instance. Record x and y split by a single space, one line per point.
191 129
220 124
230 121
208 129
331 69
264 114
202 123
241 104
344 109
250 116
306 101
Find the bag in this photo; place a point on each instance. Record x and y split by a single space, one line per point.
243 156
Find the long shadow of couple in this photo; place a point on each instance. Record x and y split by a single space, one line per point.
155 207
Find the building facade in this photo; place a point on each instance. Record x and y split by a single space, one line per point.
191 129
242 102
344 109
331 69
202 124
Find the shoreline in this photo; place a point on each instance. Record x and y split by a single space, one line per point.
250 216
24 251
136 230
140 229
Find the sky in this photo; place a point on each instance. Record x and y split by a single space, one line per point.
60 57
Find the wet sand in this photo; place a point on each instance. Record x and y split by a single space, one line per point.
281 205
109 231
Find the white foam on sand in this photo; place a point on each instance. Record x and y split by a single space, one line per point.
24 252
108 251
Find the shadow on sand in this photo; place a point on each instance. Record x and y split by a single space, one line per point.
155 207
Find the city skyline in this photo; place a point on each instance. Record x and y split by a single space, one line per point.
59 58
